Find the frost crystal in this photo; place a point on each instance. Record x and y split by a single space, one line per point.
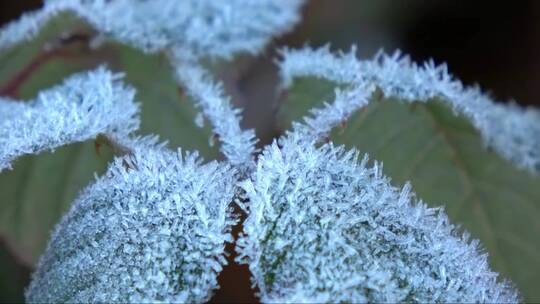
152 229
237 145
28 26
205 27
512 131
193 28
85 105
323 228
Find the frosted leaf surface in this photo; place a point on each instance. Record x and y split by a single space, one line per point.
152 229
83 106
512 131
237 145
193 28
204 27
27 26
322 227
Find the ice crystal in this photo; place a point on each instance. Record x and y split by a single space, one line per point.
512 131
27 26
204 27
322 227
152 229
236 144
83 106
193 28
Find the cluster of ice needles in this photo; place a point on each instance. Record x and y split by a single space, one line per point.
321 225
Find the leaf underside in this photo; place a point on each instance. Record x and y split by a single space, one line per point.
444 158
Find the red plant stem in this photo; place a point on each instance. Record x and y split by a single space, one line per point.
11 88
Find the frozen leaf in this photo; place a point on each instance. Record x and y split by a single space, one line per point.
237 145
84 106
322 227
444 156
152 228
512 131
205 28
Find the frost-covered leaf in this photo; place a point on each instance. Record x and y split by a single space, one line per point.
237 145
204 28
152 228
34 195
39 190
82 107
175 28
43 53
323 228
444 156
165 109
27 26
510 130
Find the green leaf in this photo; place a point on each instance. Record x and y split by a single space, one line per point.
443 157
14 276
166 111
13 60
40 188
305 94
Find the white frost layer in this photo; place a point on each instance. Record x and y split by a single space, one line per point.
512 131
152 229
322 227
204 27
200 28
27 26
83 106
237 145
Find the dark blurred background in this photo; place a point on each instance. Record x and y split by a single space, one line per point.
493 43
